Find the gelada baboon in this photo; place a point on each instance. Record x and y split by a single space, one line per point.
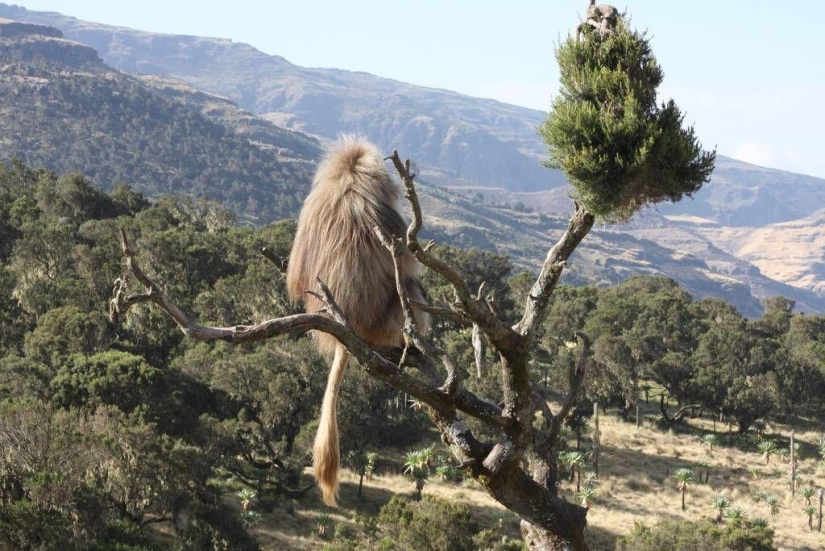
601 18
336 243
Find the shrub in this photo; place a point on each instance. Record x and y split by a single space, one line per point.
492 540
698 536
429 524
25 526
212 527
121 535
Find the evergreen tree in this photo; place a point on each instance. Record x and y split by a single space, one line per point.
619 149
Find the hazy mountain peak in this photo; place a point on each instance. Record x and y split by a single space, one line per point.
62 109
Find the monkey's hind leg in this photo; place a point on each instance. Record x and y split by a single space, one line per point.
326 451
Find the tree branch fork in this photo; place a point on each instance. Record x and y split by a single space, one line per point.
499 466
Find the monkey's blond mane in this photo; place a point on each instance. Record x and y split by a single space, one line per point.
335 242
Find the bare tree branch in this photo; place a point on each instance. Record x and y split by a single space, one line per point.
513 348
456 316
495 329
680 413
374 363
478 340
156 520
535 309
280 263
572 395
396 246
479 351
503 476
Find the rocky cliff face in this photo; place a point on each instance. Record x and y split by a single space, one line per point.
16 29
29 43
62 109
745 195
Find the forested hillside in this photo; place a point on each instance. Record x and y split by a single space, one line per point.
128 433
126 427
63 109
454 138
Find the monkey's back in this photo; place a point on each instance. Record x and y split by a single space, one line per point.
335 242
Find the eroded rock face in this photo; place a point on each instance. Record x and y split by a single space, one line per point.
15 29
32 43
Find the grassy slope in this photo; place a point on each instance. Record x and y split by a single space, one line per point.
636 486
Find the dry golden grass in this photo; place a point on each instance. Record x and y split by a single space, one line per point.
636 485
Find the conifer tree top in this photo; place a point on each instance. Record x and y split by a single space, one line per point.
619 149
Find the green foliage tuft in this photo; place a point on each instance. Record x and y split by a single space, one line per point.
620 150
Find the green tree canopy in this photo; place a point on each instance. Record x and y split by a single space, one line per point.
619 149
66 330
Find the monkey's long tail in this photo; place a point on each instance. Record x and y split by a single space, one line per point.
325 452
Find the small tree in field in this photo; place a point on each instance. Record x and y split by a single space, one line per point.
773 504
768 448
807 494
735 514
417 467
361 463
586 494
810 511
246 496
620 151
684 478
720 503
709 441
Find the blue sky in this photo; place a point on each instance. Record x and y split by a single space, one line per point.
749 74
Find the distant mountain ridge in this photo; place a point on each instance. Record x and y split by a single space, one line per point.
611 255
449 135
456 140
63 109
471 145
